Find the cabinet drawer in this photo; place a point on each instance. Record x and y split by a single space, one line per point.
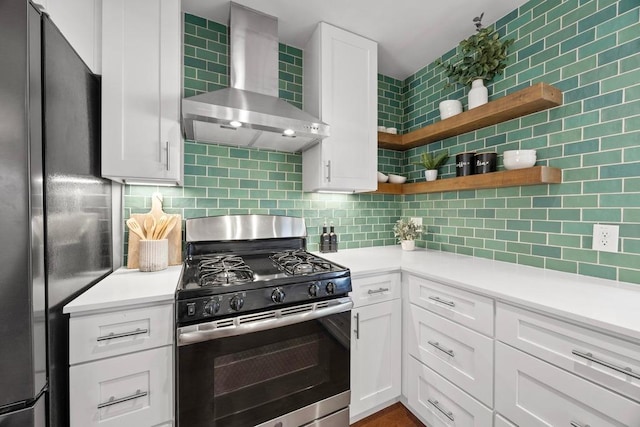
373 289
468 309
110 334
459 354
440 403
532 392
593 355
131 390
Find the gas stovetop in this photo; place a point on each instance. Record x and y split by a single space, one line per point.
212 274
215 286
240 264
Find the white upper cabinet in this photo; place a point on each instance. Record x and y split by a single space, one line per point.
340 87
80 21
141 91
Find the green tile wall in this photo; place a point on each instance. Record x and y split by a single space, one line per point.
590 50
220 180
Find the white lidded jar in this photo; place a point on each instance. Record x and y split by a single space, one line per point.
478 95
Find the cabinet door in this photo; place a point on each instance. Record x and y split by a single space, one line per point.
375 355
531 392
80 21
141 138
347 100
132 390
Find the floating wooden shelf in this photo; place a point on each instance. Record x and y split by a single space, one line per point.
508 178
538 97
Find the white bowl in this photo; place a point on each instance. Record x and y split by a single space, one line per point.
519 153
382 177
519 159
397 179
450 108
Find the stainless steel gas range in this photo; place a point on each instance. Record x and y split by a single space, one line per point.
262 326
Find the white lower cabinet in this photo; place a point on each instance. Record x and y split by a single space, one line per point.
375 344
121 372
440 403
531 392
131 390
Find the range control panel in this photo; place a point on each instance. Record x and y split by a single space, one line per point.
204 308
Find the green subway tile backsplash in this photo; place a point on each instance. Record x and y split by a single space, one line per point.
593 137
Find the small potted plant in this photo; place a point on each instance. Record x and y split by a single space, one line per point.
479 58
407 231
431 163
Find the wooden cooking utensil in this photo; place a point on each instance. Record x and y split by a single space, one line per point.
135 227
160 226
169 226
149 226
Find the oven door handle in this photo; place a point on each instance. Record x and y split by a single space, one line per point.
261 321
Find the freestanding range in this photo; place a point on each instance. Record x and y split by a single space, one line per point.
262 326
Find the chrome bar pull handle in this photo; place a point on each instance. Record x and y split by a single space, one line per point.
113 336
113 401
168 156
377 291
328 170
357 329
442 301
576 424
592 358
442 349
446 413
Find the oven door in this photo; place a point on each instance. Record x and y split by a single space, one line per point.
248 370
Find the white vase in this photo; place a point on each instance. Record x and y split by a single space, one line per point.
408 245
431 174
450 108
478 95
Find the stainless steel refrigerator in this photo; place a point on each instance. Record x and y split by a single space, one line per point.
55 210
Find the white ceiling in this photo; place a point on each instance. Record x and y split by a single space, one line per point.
410 33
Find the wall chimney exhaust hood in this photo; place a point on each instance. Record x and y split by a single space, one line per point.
249 113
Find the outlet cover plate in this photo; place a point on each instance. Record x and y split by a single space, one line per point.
605 237
416 220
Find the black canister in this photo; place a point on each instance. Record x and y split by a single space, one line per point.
486 162
465 164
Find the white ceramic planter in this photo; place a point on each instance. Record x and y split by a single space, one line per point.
450 108
431 174
478 95
408 245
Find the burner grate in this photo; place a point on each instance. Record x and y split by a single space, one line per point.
300 262
223 271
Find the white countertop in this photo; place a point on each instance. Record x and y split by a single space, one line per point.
128 287
605 304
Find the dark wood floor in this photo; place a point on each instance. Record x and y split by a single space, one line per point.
394 416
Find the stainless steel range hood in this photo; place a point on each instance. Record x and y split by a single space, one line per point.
249 113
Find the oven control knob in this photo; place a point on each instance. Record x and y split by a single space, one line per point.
313 290
331 288
236 302
277 295
211 307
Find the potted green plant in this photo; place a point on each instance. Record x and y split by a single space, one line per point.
407 231
431 163
479 58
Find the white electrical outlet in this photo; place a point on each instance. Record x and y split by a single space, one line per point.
605 237
417 221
